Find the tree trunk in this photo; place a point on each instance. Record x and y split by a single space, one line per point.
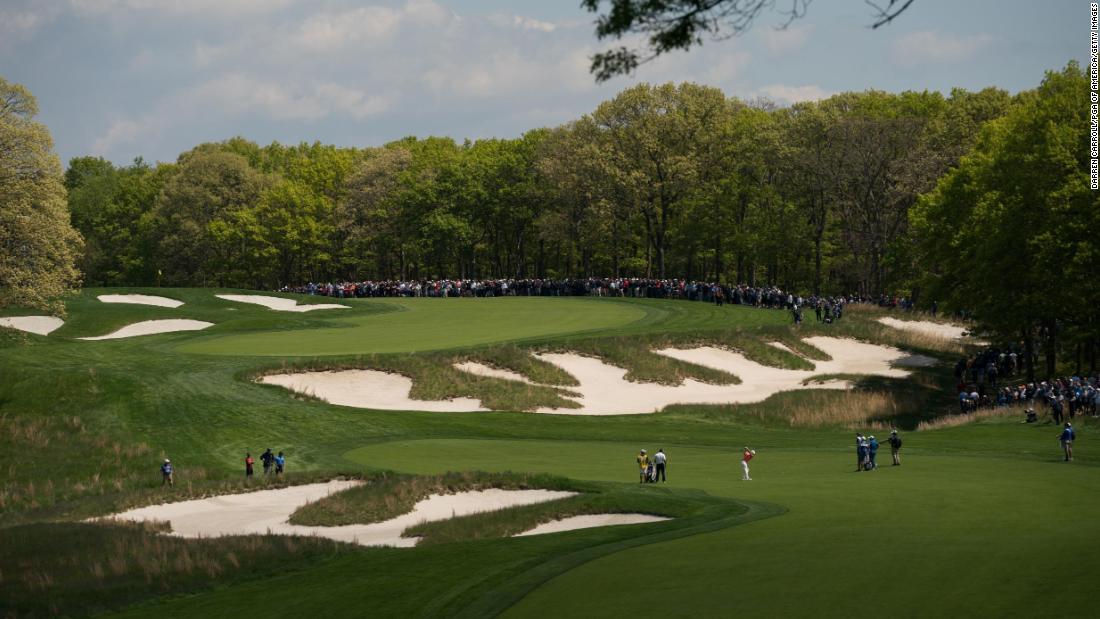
1029 355
1049 348
817 264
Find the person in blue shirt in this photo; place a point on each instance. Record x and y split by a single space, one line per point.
1066 438
872 447
280 462
166 473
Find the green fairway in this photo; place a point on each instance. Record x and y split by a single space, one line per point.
982 518
431 324
981 532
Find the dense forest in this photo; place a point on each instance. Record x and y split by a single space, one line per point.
662 181
978 200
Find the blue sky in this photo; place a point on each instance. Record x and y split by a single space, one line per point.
123 78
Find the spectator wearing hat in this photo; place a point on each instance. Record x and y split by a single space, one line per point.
643 464
1066 438
895 446
166 473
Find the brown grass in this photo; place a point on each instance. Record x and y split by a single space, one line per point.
854 409
956 420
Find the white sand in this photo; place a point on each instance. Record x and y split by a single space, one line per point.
39 325
278 303
367 389
589 521
139 299
605 391
952 332
267 511
153 327
480 369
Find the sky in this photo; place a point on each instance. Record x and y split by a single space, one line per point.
153 78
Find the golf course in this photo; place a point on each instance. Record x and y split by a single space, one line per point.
606 308
982 517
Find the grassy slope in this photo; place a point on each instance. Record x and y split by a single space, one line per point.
430 324
64 406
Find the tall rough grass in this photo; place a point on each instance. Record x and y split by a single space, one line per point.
959 419
82 569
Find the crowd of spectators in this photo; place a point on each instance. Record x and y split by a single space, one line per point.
709 292
989 379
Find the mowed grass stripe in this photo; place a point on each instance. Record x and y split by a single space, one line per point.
431 324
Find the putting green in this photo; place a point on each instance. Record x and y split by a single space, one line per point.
935 536
430 324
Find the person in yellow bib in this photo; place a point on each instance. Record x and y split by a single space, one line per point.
643 464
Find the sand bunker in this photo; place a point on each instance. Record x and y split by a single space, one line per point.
139 299
480 369
589 521
39 325
278 303
604 389
153 327
937 329
267 511
367 389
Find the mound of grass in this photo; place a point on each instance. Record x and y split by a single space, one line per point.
636 356
601 499
390 495
520 360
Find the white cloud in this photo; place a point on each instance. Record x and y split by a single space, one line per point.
205 8
782 93
787 40
19 23
243 94
521 22
929 46
364 73
333 31
121 132
238 95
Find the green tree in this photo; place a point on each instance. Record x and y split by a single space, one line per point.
196 217
38 245
1010 233
661 141
107 207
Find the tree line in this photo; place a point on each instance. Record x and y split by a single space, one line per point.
977 200
661 181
